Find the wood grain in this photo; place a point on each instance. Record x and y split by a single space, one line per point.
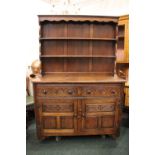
78 92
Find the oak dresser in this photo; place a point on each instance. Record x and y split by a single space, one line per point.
78 92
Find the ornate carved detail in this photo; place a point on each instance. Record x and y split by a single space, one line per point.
58 107
100 107
57 91
46 18
101 91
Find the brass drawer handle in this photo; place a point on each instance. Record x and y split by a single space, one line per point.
88 91
113 92
70 92
44 92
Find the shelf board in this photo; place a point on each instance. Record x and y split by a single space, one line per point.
76 56
121 36
73 38
122 62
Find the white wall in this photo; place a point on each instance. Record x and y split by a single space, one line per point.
87 7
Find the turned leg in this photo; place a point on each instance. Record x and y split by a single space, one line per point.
103 136
117 134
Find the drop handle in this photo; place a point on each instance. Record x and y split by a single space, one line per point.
88 91
113 92
45 92
70 92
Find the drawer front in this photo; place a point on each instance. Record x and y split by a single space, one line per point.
101 90
58 106
55 91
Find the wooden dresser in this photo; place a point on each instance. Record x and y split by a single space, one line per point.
79 92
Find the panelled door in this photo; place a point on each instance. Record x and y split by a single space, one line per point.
98 115
58 116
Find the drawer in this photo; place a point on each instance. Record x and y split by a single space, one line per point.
101 90
55 90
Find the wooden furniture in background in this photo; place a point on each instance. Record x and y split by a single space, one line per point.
79 92
123 40
126 90
123 53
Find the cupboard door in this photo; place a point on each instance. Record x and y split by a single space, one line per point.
98 115
58 116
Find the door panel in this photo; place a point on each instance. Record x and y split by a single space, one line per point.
90 122
97 114
49 122
67 122
59 116
107 122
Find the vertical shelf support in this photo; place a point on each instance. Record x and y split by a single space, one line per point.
65 47
116 36
91 47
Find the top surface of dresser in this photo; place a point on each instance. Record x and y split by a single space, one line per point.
78 78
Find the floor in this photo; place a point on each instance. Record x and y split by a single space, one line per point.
87 145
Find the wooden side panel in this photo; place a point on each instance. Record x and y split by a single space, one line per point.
127 40
120 51
38 111
126 91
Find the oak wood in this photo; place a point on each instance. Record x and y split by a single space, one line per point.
78 92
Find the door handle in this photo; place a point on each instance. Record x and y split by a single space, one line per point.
44 92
